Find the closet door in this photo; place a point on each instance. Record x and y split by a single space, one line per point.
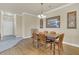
8 25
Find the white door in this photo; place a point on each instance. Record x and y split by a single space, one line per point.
8 25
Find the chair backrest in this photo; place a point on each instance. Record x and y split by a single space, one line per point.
45 32
33 34
34 31
52 32
42 37
61 37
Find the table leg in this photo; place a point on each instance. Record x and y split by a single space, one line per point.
54 48
51 46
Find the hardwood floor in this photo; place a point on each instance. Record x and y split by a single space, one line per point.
25 47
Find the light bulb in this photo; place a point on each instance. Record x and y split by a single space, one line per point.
41 16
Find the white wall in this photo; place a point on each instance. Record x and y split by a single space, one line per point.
18 26
0 25
71 35
28 23
0 22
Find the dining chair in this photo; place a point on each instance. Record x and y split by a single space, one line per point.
42 40
59 42
35 39
50 39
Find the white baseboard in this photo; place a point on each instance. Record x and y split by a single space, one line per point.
27 37
24 37
75 45
18 36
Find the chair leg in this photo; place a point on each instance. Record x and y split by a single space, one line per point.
33 43
38 44
54 49
62 50
62 47
50 46
59 49
45 45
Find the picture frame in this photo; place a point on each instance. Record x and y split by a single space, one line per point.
53 22
71 20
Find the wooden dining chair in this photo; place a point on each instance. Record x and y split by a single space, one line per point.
35 39
50 40
59 42
42 40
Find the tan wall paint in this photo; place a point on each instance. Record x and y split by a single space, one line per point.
71 35
29 22
18 25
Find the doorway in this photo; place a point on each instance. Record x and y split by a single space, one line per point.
8 25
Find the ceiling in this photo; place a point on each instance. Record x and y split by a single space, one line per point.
31 8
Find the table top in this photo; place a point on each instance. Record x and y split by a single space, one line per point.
52 37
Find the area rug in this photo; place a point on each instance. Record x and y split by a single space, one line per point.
8 42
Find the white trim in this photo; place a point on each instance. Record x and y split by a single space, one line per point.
18 14
15 24
24 13
8 13
18 36
55 9
71 44
27 37
22 26
1 25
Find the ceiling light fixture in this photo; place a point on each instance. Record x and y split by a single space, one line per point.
41 15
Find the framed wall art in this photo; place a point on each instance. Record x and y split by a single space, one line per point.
53 22
71 20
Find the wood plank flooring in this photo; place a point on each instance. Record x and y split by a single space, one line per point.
25 47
